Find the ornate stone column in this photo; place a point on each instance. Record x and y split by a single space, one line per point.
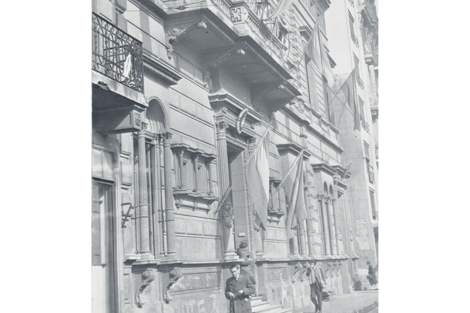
295 245
310 229
226 211
334 250
255 231
325 225
143 200
169 201
303 243
335 218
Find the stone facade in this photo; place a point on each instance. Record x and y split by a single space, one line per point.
182 94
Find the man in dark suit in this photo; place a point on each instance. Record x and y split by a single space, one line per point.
317 283
238 290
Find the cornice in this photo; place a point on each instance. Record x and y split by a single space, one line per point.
323 167
161 68
186 147
340 171
324 4
292 147
235 103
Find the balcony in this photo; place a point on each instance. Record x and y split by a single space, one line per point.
371 11
117 79
116 54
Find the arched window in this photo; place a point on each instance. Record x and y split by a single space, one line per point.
153 183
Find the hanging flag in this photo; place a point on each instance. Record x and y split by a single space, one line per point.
257 180
327 70
281 8
294 185
312 50
348 94
127 66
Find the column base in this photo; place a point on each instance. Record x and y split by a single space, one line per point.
294 257
230 256
147 256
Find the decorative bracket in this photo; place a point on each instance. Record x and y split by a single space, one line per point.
175 275
216 58
174 34
297 268
147 277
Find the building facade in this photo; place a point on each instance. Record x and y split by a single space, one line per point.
183 93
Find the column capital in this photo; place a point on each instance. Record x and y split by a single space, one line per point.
166 137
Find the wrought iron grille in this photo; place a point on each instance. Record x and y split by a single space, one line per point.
116 54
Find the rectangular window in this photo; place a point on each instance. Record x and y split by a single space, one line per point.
372 203
361 106
351 25
356 65
330 110
311 81
366 150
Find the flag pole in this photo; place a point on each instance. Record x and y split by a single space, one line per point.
243 169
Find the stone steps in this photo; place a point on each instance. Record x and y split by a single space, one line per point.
260 306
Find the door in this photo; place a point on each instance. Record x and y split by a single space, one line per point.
103 260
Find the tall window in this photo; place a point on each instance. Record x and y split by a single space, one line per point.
370 169
311 84
330 114
356 65
361 106
351 26
372 203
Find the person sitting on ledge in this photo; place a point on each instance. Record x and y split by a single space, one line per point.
244 254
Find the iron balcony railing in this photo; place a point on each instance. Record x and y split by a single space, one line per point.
116 54
371 10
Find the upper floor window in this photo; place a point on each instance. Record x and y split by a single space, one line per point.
311 84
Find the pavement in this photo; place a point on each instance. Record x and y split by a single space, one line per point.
356 302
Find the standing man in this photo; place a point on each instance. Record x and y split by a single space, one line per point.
317 283
238 290
372 278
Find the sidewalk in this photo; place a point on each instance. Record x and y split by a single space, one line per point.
352 303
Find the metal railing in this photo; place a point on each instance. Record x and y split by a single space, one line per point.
116 54
371 11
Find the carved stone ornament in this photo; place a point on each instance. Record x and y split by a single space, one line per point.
207 80
175 275
238 14
147 277
297 268
227 215
241 120
174 34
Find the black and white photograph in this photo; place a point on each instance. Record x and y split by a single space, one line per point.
235 156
